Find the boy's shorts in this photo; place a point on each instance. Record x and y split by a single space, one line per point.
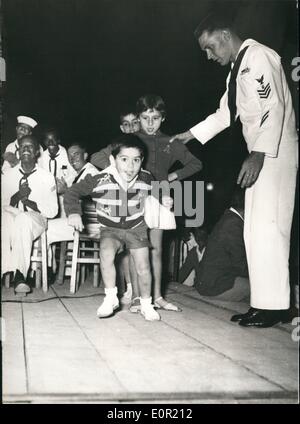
134 238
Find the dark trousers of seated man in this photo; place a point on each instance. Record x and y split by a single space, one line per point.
223 270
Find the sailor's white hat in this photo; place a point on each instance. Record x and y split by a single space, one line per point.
26 120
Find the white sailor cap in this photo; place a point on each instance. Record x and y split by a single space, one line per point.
26 120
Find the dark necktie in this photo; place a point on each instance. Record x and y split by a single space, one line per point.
17 152
78 176
52 158
232 85
24 179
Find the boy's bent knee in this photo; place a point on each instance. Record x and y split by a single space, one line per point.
108 249
143 270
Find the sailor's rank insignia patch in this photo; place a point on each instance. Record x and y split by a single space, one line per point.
264 90
260 80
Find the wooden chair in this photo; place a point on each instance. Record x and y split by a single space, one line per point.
86 250
38 262
82 250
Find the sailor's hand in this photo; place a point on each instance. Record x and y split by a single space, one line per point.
184 137
11 158
24 191
75 221
173 176
250 169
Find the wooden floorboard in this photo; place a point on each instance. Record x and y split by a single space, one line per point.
59 351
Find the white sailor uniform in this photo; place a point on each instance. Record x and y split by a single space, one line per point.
59 166
14 148
20 227
59 229
264 105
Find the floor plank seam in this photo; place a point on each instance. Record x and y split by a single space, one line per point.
90 342
218 353
231 360
24 350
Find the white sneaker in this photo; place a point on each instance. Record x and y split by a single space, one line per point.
107 308
148 311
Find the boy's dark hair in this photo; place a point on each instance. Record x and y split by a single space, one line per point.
78 144
201 235
127 141
215 21
151 101
126 111
238 199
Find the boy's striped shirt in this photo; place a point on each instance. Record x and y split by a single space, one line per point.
116 206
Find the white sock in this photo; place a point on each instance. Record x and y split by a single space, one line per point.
111 292
146 301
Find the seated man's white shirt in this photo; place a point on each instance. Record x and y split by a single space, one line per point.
60 166
20 227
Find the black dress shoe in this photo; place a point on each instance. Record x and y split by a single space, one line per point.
266 318
239 317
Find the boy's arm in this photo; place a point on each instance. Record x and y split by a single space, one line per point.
190 163
73 194
101 159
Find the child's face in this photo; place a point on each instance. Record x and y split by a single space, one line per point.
128 163
151 121
51 142
191 242
130 124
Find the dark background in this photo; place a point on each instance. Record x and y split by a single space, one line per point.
74 64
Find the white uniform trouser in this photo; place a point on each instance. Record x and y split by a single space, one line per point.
59 230
19 230
269 206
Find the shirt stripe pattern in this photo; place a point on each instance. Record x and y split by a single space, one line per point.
117 207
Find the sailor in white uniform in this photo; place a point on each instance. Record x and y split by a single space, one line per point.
28 199
11 156
257 92
55 160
